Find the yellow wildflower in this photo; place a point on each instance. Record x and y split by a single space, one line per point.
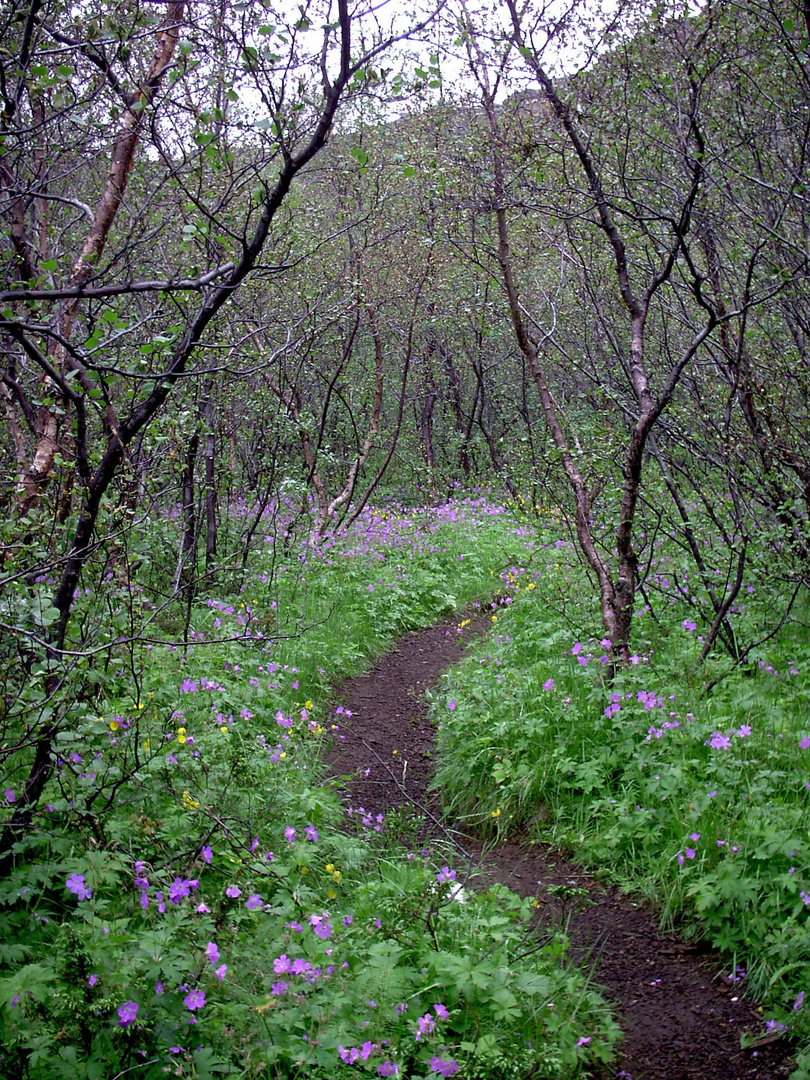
189 803
114 725
308 704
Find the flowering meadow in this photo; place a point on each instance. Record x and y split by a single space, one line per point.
193 898
690 779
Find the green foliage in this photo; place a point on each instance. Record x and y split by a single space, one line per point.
191 896
699 797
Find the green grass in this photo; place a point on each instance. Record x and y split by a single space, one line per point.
162 851
700 800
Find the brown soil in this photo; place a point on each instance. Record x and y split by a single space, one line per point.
681 1017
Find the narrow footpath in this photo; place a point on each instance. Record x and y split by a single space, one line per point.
681 1016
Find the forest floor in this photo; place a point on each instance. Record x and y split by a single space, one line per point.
680 1014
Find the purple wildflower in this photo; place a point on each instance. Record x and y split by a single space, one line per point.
254 901
194 999
75 884
127 1013
425 1025
442 1067
719 741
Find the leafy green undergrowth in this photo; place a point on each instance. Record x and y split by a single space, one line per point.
193 898
699 799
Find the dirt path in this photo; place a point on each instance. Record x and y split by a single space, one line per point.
681 1017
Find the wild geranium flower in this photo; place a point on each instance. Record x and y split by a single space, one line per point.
424 1026
212 952
75 884
207 854
348 1056
10 795
388 1068
281 965
441 1012
320 926
445 875
442 1067
744 731
279 989
367 1049
548 684
93 979
233 891
690 853
220 972
194 999
289 834
179 888
805 898
805 742
799 1002
127 1013
719 741
451 705
311 833
584 1040
255 901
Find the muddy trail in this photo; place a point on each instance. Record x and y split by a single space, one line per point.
680 1015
